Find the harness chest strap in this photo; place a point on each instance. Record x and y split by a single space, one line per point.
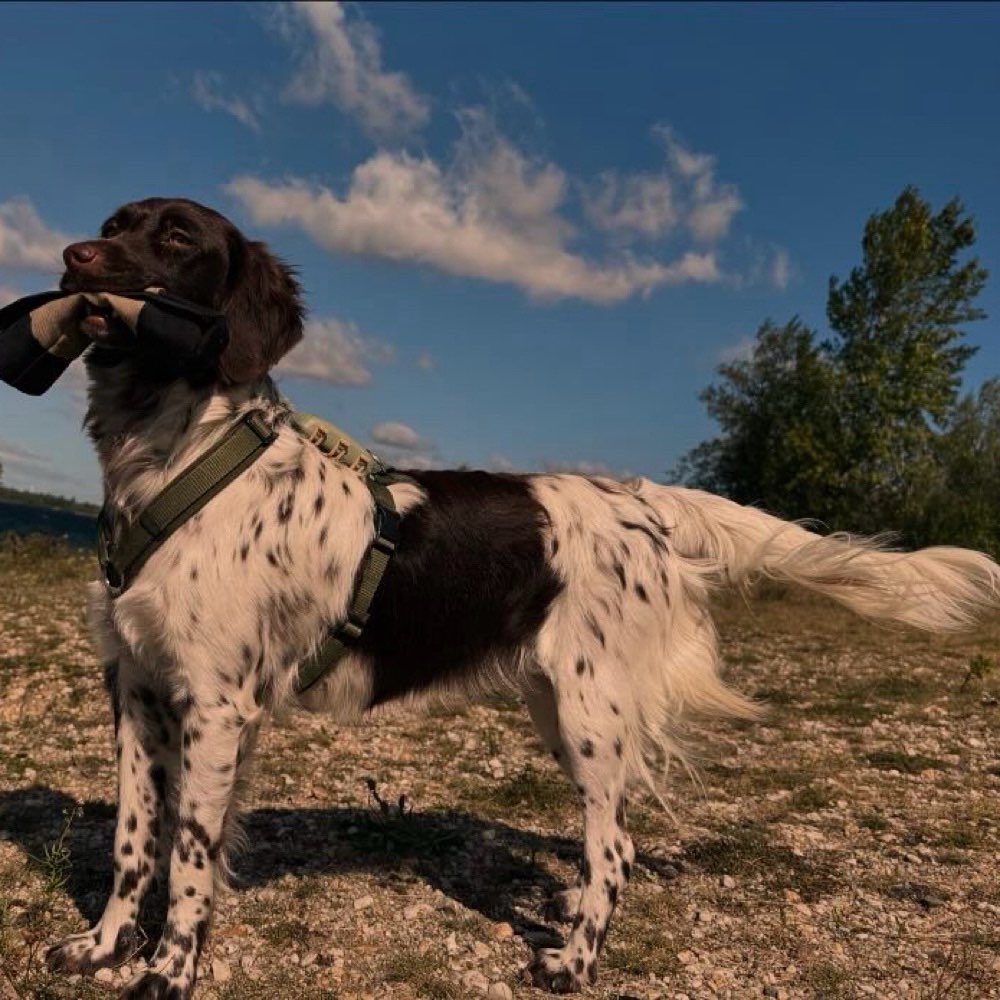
123 556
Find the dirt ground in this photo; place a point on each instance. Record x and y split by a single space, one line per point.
846 846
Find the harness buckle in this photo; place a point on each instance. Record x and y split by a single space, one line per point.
351 628
113 579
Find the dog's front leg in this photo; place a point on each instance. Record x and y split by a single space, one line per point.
147 741
215 733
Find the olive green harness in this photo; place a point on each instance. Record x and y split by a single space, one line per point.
122 550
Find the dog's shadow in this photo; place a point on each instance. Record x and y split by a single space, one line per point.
486 866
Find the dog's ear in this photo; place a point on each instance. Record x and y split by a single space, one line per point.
263 310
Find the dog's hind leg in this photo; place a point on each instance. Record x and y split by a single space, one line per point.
147 743
592 736
540 699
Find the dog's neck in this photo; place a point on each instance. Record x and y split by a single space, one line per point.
145 431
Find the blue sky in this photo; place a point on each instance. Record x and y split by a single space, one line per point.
528 233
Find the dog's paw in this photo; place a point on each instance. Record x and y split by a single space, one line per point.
549 971
561 907
83 953
155 986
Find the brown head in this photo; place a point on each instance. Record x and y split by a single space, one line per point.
197 254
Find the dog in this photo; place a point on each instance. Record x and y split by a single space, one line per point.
586 595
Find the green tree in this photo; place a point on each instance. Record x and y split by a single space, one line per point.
775 410
897 342
845 430
962 493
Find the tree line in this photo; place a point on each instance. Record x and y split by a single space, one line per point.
864 429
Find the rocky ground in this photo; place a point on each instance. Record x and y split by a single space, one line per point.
847 846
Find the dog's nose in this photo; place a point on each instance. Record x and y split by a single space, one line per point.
80 254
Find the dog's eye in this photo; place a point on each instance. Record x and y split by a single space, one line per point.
110 229
178 238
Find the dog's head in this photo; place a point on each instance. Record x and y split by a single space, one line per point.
195 253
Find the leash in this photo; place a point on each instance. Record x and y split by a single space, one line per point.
122 554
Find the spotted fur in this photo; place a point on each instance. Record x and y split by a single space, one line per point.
587 596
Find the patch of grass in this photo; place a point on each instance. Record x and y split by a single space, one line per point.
529 791
642 943
811 798
55 864
748 851
392 829
905 763
422 973
978 669
875 822
829 980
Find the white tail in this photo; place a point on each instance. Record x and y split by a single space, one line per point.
939 588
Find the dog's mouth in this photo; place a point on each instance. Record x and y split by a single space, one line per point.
101 325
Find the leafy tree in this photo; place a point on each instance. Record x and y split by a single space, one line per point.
962 494
845 430
897 342
775 411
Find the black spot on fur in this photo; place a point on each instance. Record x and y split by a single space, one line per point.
470 565
581 666
587 748
654 538
127 849
620 573
585 872
620 813
608 856
640 591
158 776
590 933
129 883
131 823
618 747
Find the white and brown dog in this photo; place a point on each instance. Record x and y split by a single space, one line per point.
587 595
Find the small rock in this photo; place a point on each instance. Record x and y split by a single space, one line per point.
105 975
221 972
481 950
363 902
309 958
412 912
728 882
475 980
246 962
451 943
499 991
503 931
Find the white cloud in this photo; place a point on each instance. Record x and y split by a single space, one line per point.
584 467
206 94
335 351
641 204
25 240
400 445
711 205
491 213
781 269
392 432
342 64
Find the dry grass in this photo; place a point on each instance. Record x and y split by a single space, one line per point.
847 846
